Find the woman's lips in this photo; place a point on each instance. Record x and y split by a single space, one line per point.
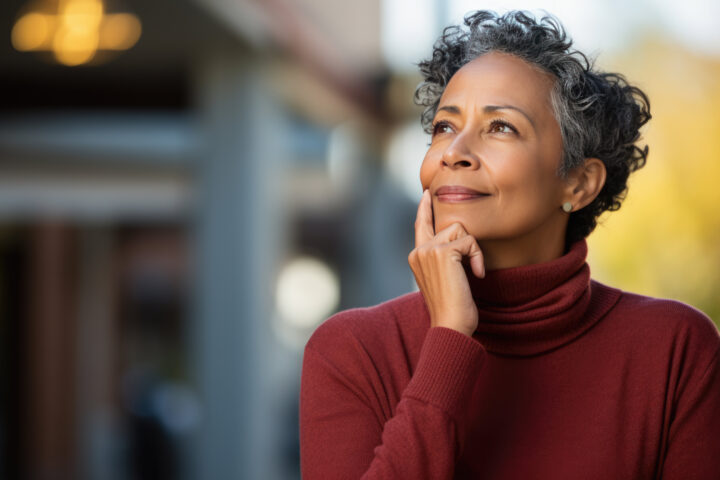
457 193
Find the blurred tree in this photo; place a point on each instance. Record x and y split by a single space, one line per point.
664 240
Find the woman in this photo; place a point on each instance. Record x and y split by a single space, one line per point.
511 362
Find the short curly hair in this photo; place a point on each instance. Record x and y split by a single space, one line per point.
599 113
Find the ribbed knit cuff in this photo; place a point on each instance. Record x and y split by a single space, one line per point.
449 365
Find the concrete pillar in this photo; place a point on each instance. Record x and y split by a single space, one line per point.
236 238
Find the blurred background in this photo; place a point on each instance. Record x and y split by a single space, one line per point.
189 187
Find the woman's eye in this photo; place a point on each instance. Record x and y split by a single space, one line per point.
501 127
441 127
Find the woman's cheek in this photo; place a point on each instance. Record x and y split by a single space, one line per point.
426 171
424 177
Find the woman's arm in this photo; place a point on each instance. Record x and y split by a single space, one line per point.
342 434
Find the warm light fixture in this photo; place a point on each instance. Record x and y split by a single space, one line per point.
76 31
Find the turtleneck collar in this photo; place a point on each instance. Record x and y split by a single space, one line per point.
536 308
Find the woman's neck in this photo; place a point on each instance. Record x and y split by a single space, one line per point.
539 246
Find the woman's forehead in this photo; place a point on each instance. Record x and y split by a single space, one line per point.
498 77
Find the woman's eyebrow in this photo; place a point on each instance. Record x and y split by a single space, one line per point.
449 109
492 108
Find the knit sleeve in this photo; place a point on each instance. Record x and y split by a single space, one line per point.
343 434
693 450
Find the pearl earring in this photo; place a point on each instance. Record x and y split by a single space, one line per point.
567 206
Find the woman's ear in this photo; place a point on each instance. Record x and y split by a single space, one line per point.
584 183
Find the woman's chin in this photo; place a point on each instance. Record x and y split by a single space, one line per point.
478 232
445 222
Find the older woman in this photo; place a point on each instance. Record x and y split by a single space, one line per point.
511 362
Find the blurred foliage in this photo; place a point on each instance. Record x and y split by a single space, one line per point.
664 240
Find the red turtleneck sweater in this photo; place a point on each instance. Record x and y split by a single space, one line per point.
565 378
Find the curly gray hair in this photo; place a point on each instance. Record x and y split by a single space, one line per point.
599 113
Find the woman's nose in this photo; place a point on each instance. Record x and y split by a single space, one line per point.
459 154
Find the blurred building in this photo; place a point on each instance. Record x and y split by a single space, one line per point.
175 219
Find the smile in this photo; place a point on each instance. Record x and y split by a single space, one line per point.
459 193
460 197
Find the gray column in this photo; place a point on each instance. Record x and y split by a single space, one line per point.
236 246
98 417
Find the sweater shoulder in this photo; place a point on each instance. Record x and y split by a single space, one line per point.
666 310
399 320
676 321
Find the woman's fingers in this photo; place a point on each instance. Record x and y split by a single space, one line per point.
452 232
425 233
467 246
470 247
424 228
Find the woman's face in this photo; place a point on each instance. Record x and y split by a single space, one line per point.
495 132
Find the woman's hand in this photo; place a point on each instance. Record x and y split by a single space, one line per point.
436 263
